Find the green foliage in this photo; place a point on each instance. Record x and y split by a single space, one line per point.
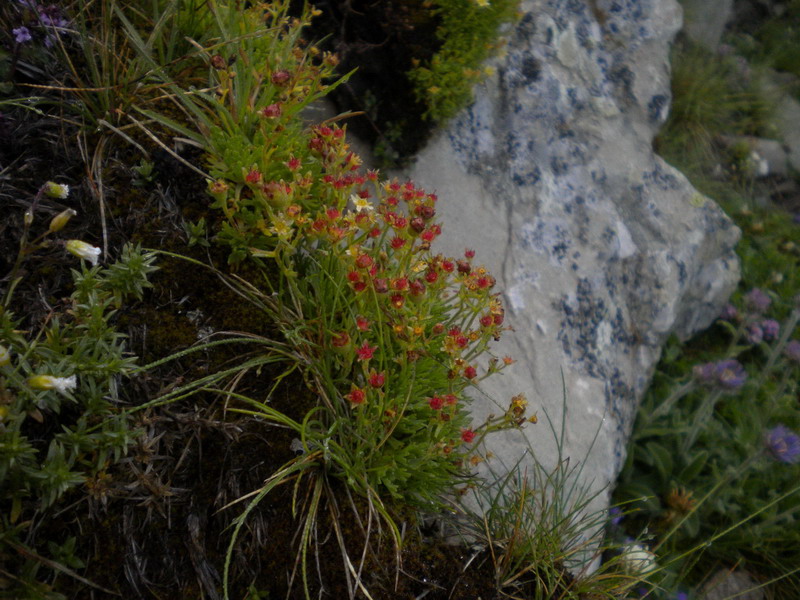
468 33
699 456
776 41
711 97
60 423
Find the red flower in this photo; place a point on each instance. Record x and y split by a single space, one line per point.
365 351
293 164
448 266
450 399
253 176
353 276
417 224
470 372
436 403
377 380
438 329
417 288
364 261
469 253
357 396
487 320
362 323
273 111
359 286
381 285
428 235
280 77
467 436
431 276
400 284
332 214
398 242
340 340
397 300
374 232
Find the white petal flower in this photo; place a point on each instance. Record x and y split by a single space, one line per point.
362 203
637 560
51 382
84 251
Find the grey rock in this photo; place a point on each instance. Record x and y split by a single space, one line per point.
766 158
731 584
602 250
705 20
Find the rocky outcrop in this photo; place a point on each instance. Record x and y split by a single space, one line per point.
602 250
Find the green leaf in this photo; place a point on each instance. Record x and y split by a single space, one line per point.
661 460
694 467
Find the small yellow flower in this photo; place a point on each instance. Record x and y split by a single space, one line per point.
419 267
282 226
50 382
83 250
482 3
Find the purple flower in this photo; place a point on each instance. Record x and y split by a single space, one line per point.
615 512
730 374
681 596
771 328
783 444
21 35
757 300
705 373
754 334
792 351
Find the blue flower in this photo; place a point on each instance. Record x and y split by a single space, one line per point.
783 444
730 374
21 35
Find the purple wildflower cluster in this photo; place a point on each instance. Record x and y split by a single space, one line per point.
727 374
783 444
47 18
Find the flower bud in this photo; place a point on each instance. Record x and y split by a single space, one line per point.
83 250
28 218
50 382
5 356
61 219
56 190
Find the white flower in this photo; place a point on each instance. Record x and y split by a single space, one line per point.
361 203
56 190
84 251
5 355
638 560
51 382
